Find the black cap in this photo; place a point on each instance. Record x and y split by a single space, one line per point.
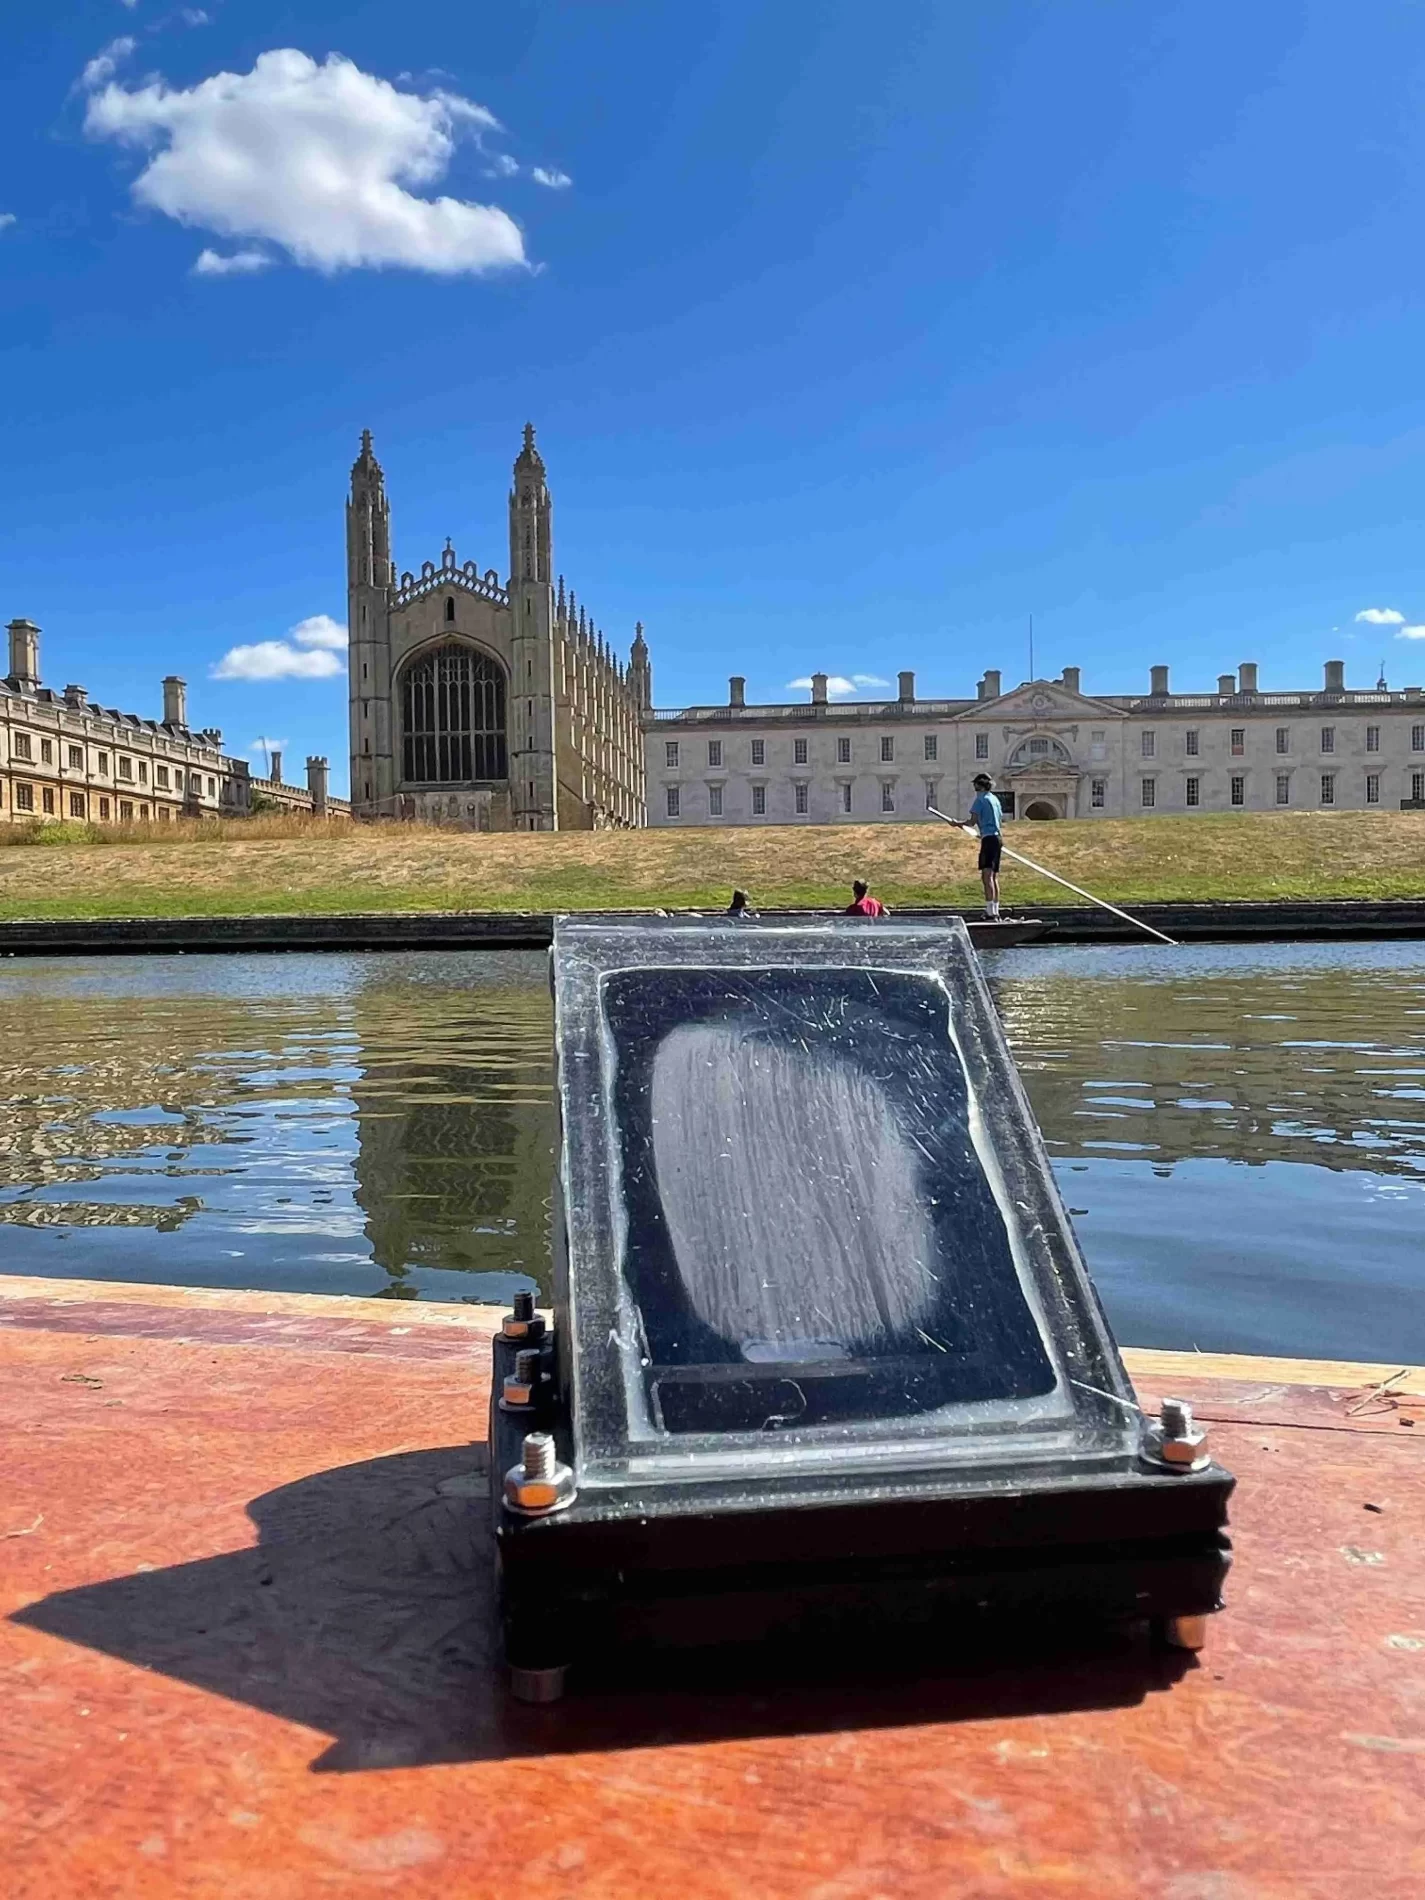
982 778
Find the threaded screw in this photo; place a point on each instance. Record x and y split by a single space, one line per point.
527 1366
523 1304
1175 1418
538 1450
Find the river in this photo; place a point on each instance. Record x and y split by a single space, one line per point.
1239 1132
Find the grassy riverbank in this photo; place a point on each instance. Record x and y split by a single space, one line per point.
289 865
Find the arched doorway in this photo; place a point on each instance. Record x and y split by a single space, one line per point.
1041 808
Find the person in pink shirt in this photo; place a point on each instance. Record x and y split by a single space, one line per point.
863 904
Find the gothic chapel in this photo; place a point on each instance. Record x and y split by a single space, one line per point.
492 707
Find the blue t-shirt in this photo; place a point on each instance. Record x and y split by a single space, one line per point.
987 812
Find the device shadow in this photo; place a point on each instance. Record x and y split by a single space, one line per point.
367 1611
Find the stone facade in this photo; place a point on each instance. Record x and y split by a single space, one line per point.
62 757
1054 751
490 705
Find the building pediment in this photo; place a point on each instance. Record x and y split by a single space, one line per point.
1041 702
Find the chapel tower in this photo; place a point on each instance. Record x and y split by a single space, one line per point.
533 698
369 577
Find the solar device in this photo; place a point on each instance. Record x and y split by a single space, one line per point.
824 1350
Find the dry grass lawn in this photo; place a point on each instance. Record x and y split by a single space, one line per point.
290 865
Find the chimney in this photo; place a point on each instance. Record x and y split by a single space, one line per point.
277 768
1247 677
25 655
907 686
818 689
175 701
317 786
1335 676
737 690
76 697
1158 677
992 685
1071 678
1227 685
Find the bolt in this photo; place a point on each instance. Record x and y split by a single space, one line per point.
539 1483
1175 1417
1175 1440
522 1322
521 1388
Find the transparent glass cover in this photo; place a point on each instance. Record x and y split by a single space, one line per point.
808 1220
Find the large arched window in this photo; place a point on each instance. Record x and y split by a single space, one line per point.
453 701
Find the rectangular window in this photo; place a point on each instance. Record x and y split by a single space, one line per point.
674 796
1149 793
801 797
24 798
164 814
799 752
759 751
126 811
930 794
1417 786
932 745
714 801
1038 748
103 808
76 758
1239 741
143 772
76 804
1149 742
160 777
212 788
22 746
126 768
846 797
46 752
1098 791
48 798
103 763
714 751
1328 788
843 752
1190 744
1193 786
982 745
1238 791
888 796
888 750
1372 788
1372 738
1328 738
1417 738
759 797
1283 789
670 752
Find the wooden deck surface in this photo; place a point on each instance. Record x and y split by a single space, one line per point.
246 1650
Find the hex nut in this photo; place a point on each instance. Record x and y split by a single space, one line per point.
1188 1453
517 1395
537 1497
530 1331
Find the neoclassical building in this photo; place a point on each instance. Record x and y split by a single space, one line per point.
1054 750
492 705
63 757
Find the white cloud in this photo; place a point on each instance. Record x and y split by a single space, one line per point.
320 630
502 166
555 180
7 218
104 65
869 679
194 16
1380 616
130 4
1410 633
317 158
837 684
237 263
275 660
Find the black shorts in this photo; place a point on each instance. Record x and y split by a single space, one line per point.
990 849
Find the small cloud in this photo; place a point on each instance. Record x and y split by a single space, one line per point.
869 679
321 631
275 660
552 180
1410 633
104 65
235 264
501 165
7 218
1381 616
130 4
194 16
837 686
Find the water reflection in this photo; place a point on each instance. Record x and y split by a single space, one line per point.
1240 1132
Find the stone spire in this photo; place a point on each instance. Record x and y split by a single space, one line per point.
531 515
640 669
368 522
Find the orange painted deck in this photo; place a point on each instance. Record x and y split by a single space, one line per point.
246 1650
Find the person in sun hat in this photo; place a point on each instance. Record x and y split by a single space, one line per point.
986 821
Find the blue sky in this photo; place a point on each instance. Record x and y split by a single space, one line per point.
853 335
